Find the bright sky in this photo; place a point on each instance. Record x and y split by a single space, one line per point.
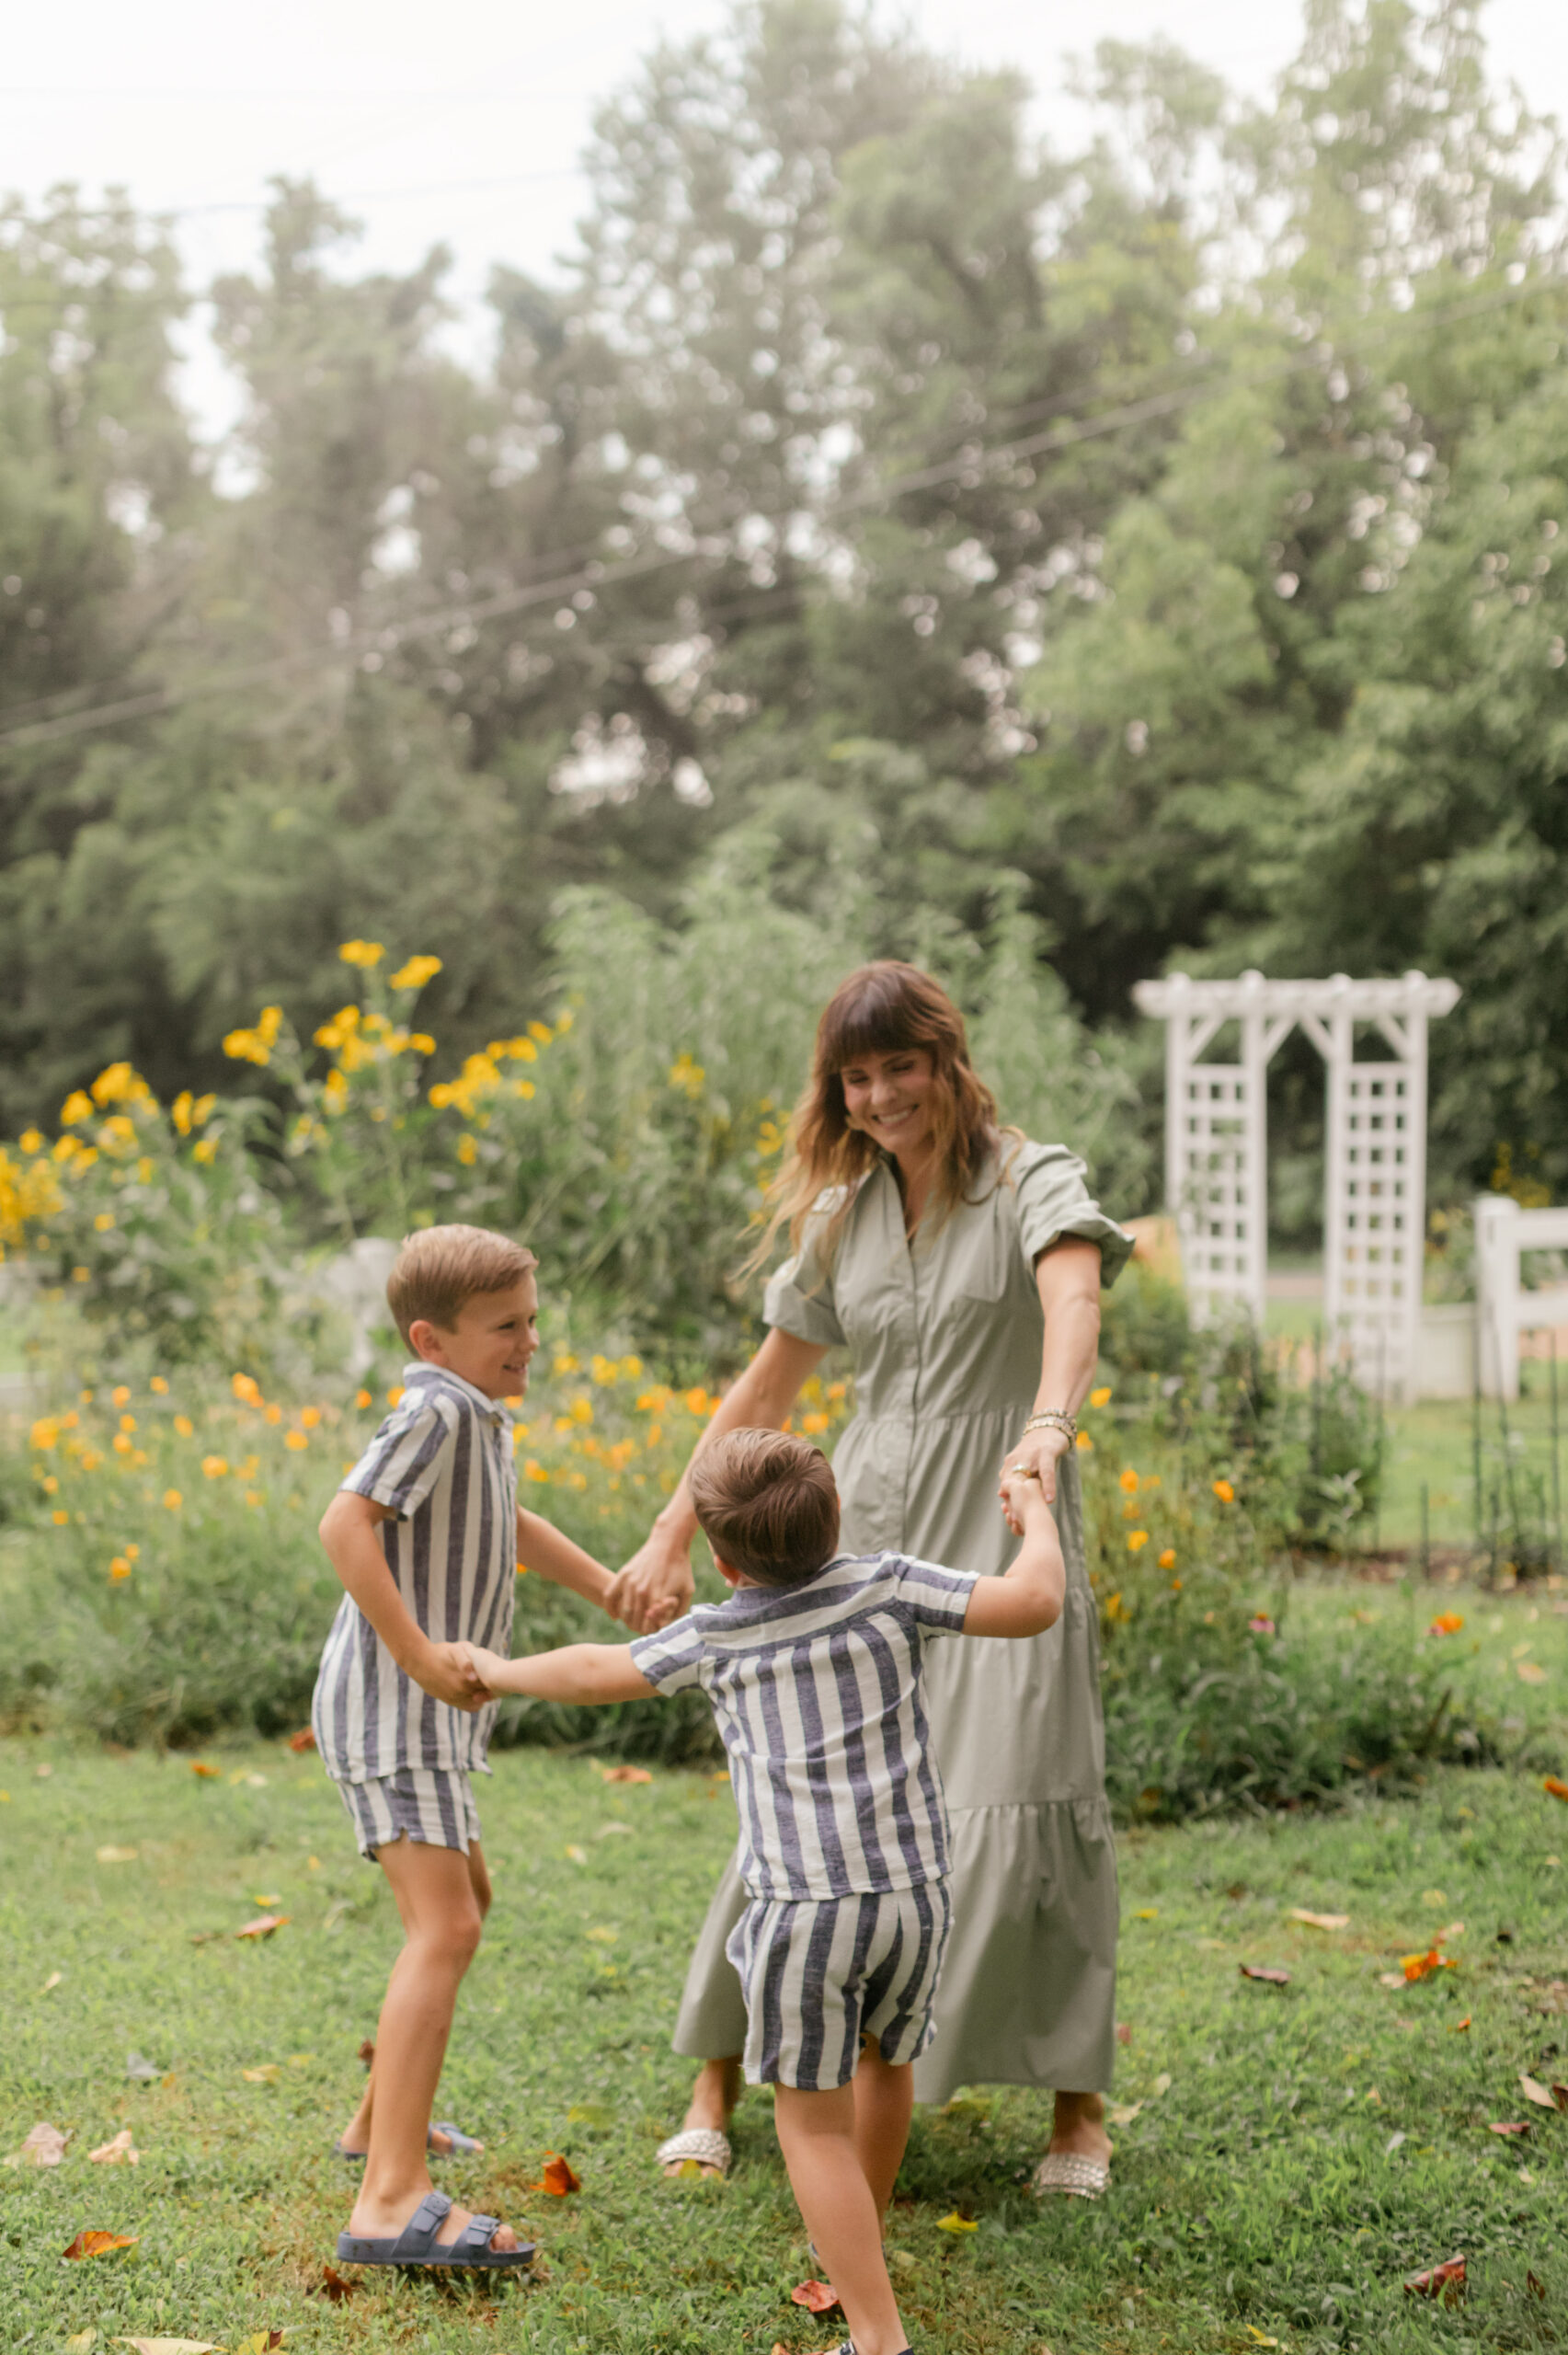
463 123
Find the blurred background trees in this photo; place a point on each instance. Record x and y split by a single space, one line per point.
1050 566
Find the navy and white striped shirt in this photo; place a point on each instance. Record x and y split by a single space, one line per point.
816 1692
442 1463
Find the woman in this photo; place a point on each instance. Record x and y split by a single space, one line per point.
962 1266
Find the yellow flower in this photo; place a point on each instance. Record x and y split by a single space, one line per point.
180 1111
1225 1492
202 1111
362 952
395 1394
216 1468
687 1076
1085 1446
696 1401
119 1568
565 1363
81 1275
1127 1481
362 1398
815 1424
184 1426
1116 1608
467 1151
246 1389
49 1484
1135 1538
30 1140
45 1432
531 1471
120 1394
104 1221
77 1108
59 1517
251 1497
415 973
124 1444
631 1369
310 1417
582 1410
1100 1398
334 1092
296 1440
273 1414
421 1042
159 1385
173 1499
128 1422
205 1149
1168 1558
121 1084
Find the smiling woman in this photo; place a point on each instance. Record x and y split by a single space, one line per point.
960 1264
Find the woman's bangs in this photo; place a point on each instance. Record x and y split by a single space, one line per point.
876 1019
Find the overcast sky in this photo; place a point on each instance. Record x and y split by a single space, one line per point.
463 123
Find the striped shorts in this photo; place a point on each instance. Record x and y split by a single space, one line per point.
819 1974
429 1803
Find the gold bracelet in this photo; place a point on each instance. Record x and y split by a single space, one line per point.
1054 1418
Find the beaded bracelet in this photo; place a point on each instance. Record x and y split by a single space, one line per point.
1053 1418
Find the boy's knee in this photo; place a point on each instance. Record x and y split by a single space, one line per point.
453 1936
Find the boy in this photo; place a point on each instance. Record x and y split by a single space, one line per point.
426 1534
813 1668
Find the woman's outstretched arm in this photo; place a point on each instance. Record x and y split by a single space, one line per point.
655 1584
1068 1277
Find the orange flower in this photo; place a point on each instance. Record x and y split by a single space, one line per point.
1168 1558
1447 1622
1225 1492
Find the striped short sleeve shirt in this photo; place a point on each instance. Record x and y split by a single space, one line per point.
442 1464
816 1692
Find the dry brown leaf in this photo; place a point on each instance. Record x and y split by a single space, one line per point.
118 1855
112 2154
1445 2282
1319 1920
367 2051
1269 1978
558 2177
52 1983
263 1926
1509 2126
266 2075
627 1774
1533 2090
97 2244
304 1740
207 1774
1122 2113
1124 2032
334 2285
1530 1672
817 2297
1556 1786
170 2346
44 2146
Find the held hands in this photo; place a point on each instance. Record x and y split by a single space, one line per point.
655 1587
448 1671
1037 1453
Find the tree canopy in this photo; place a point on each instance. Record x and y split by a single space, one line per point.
1134 556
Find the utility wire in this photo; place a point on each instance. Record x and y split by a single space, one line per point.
971 459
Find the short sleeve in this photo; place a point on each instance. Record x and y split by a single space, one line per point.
403 1462
672 1658
1054 1202
935 1597
799 1298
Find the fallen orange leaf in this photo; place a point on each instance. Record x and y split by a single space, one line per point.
111 2154
170 2346
1556 1786
304 1740
1269 1978
1445 2282
210 1774
558 2177
817 2297
96 2244
263 1926
1457 2028
627 1774
1510 2126
1542 2096
1319 1920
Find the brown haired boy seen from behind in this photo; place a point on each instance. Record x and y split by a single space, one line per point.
813 1668
426 1534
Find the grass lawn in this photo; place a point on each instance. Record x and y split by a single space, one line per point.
1293 2154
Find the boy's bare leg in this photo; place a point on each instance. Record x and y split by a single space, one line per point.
713 2098
817 2135
356 2136
437 1896
883 2102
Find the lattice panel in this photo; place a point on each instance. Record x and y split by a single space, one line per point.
1219 1224
1380 1221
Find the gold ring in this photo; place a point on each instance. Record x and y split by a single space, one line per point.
1023 1472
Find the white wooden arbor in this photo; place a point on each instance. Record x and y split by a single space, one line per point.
1375 1178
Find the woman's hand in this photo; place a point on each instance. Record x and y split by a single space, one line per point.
655 1587
1040 1453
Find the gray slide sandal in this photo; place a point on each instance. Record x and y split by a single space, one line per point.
417 2244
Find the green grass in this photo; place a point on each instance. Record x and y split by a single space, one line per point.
1312 2145
1432 1443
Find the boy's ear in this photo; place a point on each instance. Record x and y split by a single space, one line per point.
427 1341
727 1572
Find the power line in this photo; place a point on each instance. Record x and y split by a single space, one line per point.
970 459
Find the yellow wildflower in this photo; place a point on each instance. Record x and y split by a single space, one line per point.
1135 1538
1084 1443
1225 1492
1100 1398
45 1432
180 1111
246 1389
467 1151
415 973
421 1042
184 1426
104 1222
1127 1481
216 1468
687 1077
205 1149
77 1108
1168 1558
173 1499
128 1422
30 1140
159 1385
310 1417
296 1440
362 1399
119 1568
59 1517
365 953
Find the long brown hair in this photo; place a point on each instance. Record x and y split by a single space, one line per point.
882 1009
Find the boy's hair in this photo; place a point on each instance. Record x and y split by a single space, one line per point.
441 1269
767 1505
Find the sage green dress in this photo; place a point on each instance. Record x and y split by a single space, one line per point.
945 1336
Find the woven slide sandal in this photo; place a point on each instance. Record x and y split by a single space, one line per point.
702 2146
417 2244
1064 2172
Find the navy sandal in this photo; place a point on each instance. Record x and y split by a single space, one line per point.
417 2244
463 2146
